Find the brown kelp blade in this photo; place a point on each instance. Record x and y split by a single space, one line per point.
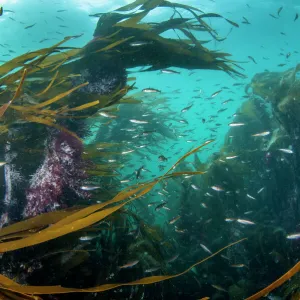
264 292
60 96
36 222
4 107
40 290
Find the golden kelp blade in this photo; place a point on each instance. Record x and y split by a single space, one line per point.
58 97
276 283
8 295
49 86
36 222
83 106
48 122
17 94
113 45
188 154
46 290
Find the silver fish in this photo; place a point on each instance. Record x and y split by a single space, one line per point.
249 196
215 94
233 124
205 249
186 108
265 133
129 264
245 222
217 188
289 151
89 188
169 71
138 121
151 90
260 190
107 115
293 236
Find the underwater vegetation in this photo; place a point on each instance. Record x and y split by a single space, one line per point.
69 227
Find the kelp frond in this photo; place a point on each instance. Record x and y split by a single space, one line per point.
122 28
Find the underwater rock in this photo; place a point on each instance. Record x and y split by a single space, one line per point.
62 168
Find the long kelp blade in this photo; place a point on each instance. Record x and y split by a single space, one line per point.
49 123
4 107
276 284
39 290
60 96
36 222
49 86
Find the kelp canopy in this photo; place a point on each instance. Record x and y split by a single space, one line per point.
56 88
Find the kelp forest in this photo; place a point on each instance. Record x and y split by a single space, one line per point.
82 218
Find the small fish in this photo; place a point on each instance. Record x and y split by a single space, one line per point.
293 236
30 26
264 133
2 163
173 258
227 101
288 55
245 222
183 122
288 151
205 249
152 269
238 266
229 220
186 108
124 181
245 21
281 65
249 196
217 188
151 90
231 157
89 188
138 172
180 230
173 220
162 158
160 206
1 11
195 187
138 121
130 264
139 43
215 94
296 17
217 287
273 16
107 115
169 71
233 124
260 190
86 238
250 57
279 10
126 152
59 18
61 10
